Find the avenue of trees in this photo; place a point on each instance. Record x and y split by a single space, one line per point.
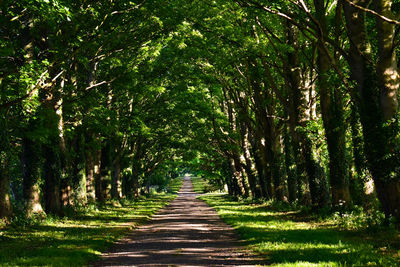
291 100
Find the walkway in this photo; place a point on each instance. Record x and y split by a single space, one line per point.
187 232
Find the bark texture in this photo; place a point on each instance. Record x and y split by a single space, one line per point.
376 99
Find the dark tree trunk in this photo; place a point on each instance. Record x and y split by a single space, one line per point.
98 185
331 101
116 181
290 168
234 179
277 174
90 185
5 204
78 161
105 166
260 172
244 191
51 152
30 162
377 101
357 178
248 166
135 183
52 175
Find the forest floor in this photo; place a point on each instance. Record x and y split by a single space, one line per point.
187 232
286 236
79 237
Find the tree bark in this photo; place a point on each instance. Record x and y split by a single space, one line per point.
116 181
52 176
30 162
51 151
290 166
255 149
98 185
376 99
331 101
249 166
234 179
89 168
5 203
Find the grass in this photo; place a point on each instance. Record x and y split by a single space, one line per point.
285 237
78 239
200 185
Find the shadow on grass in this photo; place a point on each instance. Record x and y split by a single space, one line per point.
285 241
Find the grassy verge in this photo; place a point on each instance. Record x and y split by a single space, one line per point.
76 240
287 238
199 185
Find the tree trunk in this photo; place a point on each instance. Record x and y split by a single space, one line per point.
274 171
5 204
267 172
104 169
116 182
77 170
51 171
135 183
376 99
291 169
263 128
65 160
228 177
387 175
358 176
90 185
51 151
98 185
238 173
298 118
331 101
386 68
258 165
30 161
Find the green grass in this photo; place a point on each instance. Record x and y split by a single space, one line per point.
199 185
287 238
79 239
174 185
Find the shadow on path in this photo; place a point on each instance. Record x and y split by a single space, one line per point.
186 233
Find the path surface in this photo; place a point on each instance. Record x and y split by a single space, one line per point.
187 232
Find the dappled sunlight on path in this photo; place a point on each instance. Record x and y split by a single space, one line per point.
186 233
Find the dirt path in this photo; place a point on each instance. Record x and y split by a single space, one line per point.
185 233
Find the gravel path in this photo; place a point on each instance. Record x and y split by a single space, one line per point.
187 232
